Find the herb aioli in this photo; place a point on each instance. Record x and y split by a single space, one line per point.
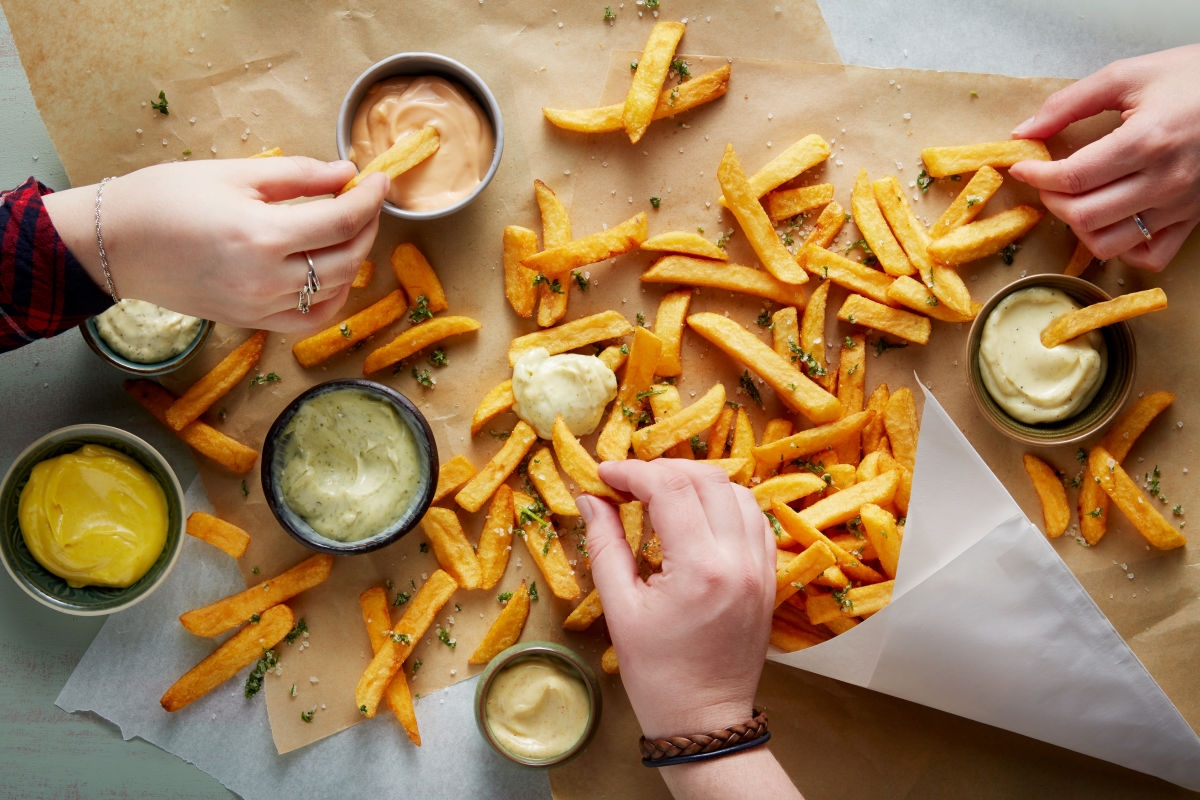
576 386
146 333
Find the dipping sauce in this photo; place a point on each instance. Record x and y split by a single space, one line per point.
1031 382
396 106
146 333
538 708
351 464
576 386
94 517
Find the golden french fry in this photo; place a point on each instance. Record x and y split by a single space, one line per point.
418 616
200 436
450 546
859 310
495 540
236 609
828 225
941 162
668 327
785 328
812 440
1132 501
216 383
872 224
1052 494
546 548
653 440
417 277
752 219
239 651
838 507
377 618
733 277
578 463
787 488
884 534
969 202
506 629
774 430
545 477
220 534
417 338
796 390
608 661
556 230
1081 259
342 336
874 434
916 296
633 521
812 338
790 637
405 153
583 615
846 272
519 243
615 437
497 400
674 100
1068 326
649 77
479 488
984 237
799 528
851 392
362 278
900 422
799 157
665 401
571 335
787 203
718 434
554 262
802 569
452 475
686 243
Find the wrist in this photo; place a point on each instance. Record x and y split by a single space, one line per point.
718 743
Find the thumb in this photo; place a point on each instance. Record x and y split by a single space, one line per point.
614 569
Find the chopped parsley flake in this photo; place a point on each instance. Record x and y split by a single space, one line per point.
420 311
581 280
260 379
306 716
924 181
747 383
254 681
423 377
655 202
160 105
438 358
344 329
533 592
445 638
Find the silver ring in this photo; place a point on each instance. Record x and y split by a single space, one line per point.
1137 220
311 286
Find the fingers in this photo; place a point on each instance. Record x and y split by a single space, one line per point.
614 569
1155 254
289 177
681 496
332 220
1100 91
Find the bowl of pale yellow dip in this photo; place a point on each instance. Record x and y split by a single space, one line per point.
349 466
1040 395
145 339
403 94
538 704
91 520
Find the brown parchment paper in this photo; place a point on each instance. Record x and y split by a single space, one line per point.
243 78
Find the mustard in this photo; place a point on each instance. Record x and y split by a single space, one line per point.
538 709
93 517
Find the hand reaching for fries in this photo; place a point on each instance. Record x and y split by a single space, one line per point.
215 239
1147 169
691 640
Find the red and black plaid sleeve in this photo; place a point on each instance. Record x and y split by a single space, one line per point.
44 290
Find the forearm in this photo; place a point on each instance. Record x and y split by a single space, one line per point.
749 773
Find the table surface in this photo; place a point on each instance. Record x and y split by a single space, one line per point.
45 752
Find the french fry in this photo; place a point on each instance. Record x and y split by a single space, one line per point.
376 615
984 237
506 629
732 277
859 310
874 433
418 616
236 609
1081 258
916 296
417 277
216 383
752 219
239 651
718 433
362 278
519 243
785 329
649 77
671 101
653 440
633 521
668 327
578 463
795 390
556 230
223 535
800 529
969 202
614 440
495 540
851 391
812 440
812 338
1072 324
417 338
571 335
497 400
941 162
787 203
901 424
828 225
839 507
452 475
1132 501
608 661
554 262
200 436
872 224
545 477
799 157
802 569
583 615
774 430
405 153
665 401
787 488
342 336
789 637
846 272
1052 494
450 546
479 488
546 548
884 534
686 243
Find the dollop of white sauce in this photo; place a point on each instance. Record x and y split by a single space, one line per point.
576 386
146 333
1031 382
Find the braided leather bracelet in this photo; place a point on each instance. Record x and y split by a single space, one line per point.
699 746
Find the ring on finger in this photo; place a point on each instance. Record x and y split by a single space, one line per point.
1137 220
311 286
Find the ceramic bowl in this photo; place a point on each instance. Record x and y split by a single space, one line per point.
418 64
100 347
274 455
51 590
1111 396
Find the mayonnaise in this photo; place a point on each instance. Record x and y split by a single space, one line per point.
94 517
576 386
537 708
396 106
146 333
350 464
1033 383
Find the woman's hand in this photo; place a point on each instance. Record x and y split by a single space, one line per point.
1148 166
215 239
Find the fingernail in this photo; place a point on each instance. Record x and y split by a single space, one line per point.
1017 130
584 503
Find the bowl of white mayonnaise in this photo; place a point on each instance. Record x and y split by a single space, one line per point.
405 93
145 339
349 466
1040 395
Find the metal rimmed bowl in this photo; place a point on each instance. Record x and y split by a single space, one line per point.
416 65
1114 390
101 347
281 440
46 587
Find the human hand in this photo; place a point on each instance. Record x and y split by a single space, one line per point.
691 639
1149 165
215 239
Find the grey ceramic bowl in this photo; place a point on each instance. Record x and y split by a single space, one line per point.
100 347
51 590
416 64
1113 391
273 459
569 661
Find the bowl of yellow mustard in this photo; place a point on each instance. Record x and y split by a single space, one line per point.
91 520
